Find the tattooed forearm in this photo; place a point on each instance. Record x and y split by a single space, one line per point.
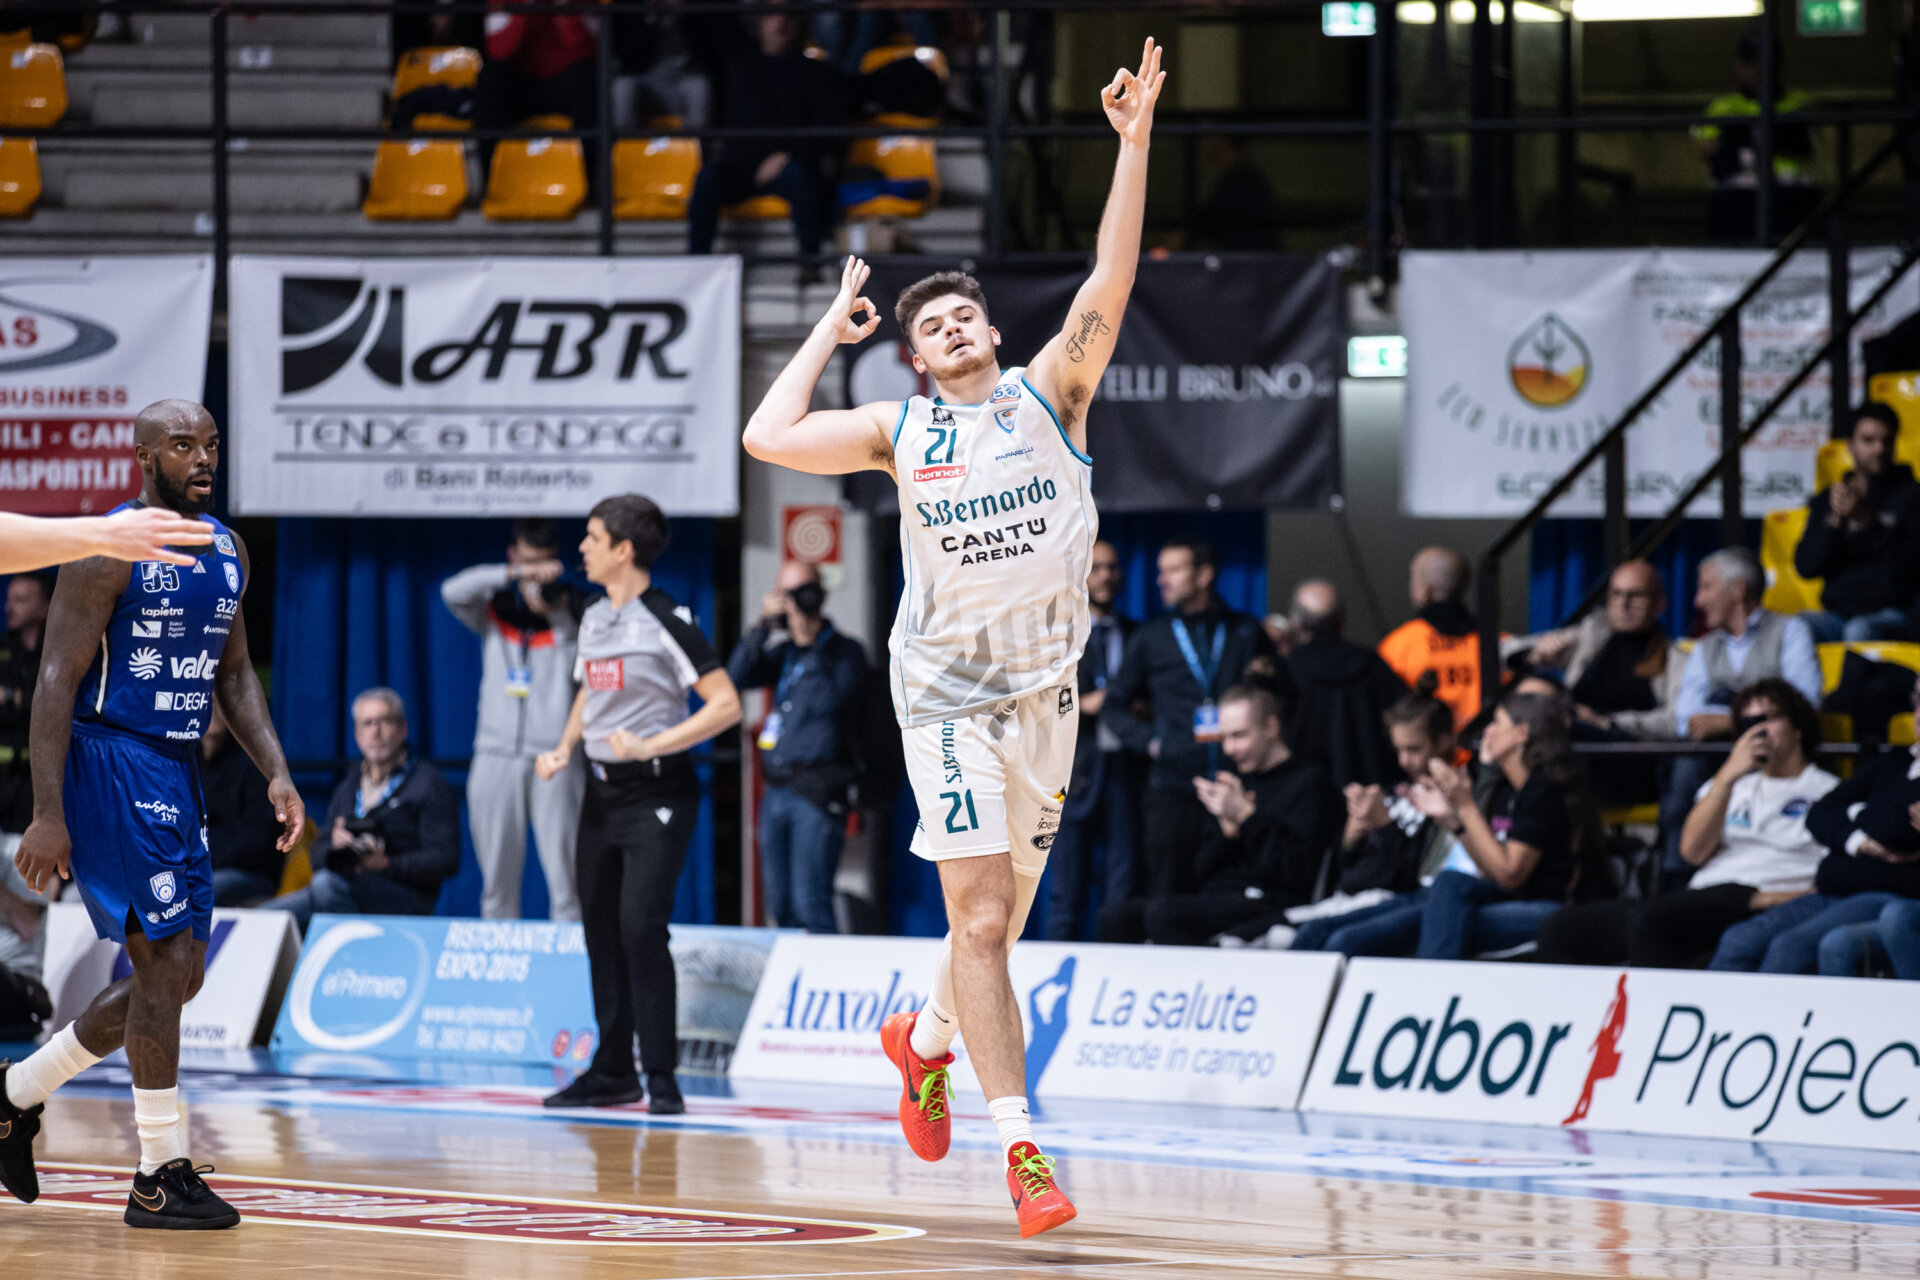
1092 325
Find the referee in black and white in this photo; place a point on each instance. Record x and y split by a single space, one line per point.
639 655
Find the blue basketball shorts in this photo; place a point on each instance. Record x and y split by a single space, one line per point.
138 824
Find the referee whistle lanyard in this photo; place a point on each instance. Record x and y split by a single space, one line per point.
1204 677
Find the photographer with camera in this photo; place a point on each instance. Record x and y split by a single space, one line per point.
392 832
529 624
816 675
1746 835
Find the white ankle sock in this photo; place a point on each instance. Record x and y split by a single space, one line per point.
51 1065
933 1031
1011 1119
156 1113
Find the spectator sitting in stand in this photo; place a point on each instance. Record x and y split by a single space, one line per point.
1181 662
769 83
241 828
28 596
1389 848
1747 835
537 63
1870 826
1744 644
1518 852
1341 691
1270 829
391 836
847 37
1624 676
1241 212
1863 537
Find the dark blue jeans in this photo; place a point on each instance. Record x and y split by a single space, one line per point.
1787 938
1109 824
722 184
367 894
1890 941
800 847
1455 917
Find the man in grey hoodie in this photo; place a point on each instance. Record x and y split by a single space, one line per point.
528 622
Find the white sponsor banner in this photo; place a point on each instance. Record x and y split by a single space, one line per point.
1517 362
484 386
85 344
250 957
1829 1061
1165 1024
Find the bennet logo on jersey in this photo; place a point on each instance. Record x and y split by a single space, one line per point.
606 674
156 577
223 544
952 471
162 886
168 700
145 663
146 630
166 813
200 668
933 515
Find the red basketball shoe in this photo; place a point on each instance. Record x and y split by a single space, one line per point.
1040 1204
923 1102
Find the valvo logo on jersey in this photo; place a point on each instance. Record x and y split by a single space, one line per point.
192 668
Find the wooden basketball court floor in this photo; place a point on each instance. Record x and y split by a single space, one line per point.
457 1175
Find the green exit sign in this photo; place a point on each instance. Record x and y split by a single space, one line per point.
1377 355
1833 17
1346 18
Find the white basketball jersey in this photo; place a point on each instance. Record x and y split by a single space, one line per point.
997 526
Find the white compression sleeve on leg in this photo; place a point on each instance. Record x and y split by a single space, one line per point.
156 1114
53 1064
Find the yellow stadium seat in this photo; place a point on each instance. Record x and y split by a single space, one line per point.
537 179
1832 462
928 57
417 181
33 86
16 39
758 209
1833 659
1638 815
454 66
902 159
1902 391
297 874
19 177
652 178
1787 591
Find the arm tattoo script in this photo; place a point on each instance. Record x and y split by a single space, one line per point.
1092 325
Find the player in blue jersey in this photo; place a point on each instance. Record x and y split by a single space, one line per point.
134 658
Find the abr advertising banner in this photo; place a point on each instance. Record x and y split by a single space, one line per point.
484 386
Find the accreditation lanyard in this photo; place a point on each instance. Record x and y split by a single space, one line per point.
1206 716
792 667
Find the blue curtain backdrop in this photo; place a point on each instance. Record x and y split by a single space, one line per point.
1239 541
357 604
1567 560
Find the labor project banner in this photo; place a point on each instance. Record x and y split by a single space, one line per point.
1830 1061
1221 393
490 990
1517 362
250 957
1161 1024
484 386
85 344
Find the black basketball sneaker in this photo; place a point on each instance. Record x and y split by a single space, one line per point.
17 1130
175 1198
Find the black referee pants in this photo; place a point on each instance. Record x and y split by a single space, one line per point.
635 825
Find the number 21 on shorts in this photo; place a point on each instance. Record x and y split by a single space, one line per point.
955 800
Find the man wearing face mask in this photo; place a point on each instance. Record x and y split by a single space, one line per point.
815 675
529 624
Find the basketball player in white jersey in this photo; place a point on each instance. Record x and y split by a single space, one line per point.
997 527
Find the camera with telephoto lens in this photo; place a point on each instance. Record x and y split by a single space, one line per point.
346 859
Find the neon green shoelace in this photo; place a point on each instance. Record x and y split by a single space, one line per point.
1034 1173
933 1094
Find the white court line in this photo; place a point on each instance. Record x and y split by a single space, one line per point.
1274 1259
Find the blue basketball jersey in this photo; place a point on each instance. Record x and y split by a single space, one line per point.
154 672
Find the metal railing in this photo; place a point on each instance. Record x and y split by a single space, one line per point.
1611 447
